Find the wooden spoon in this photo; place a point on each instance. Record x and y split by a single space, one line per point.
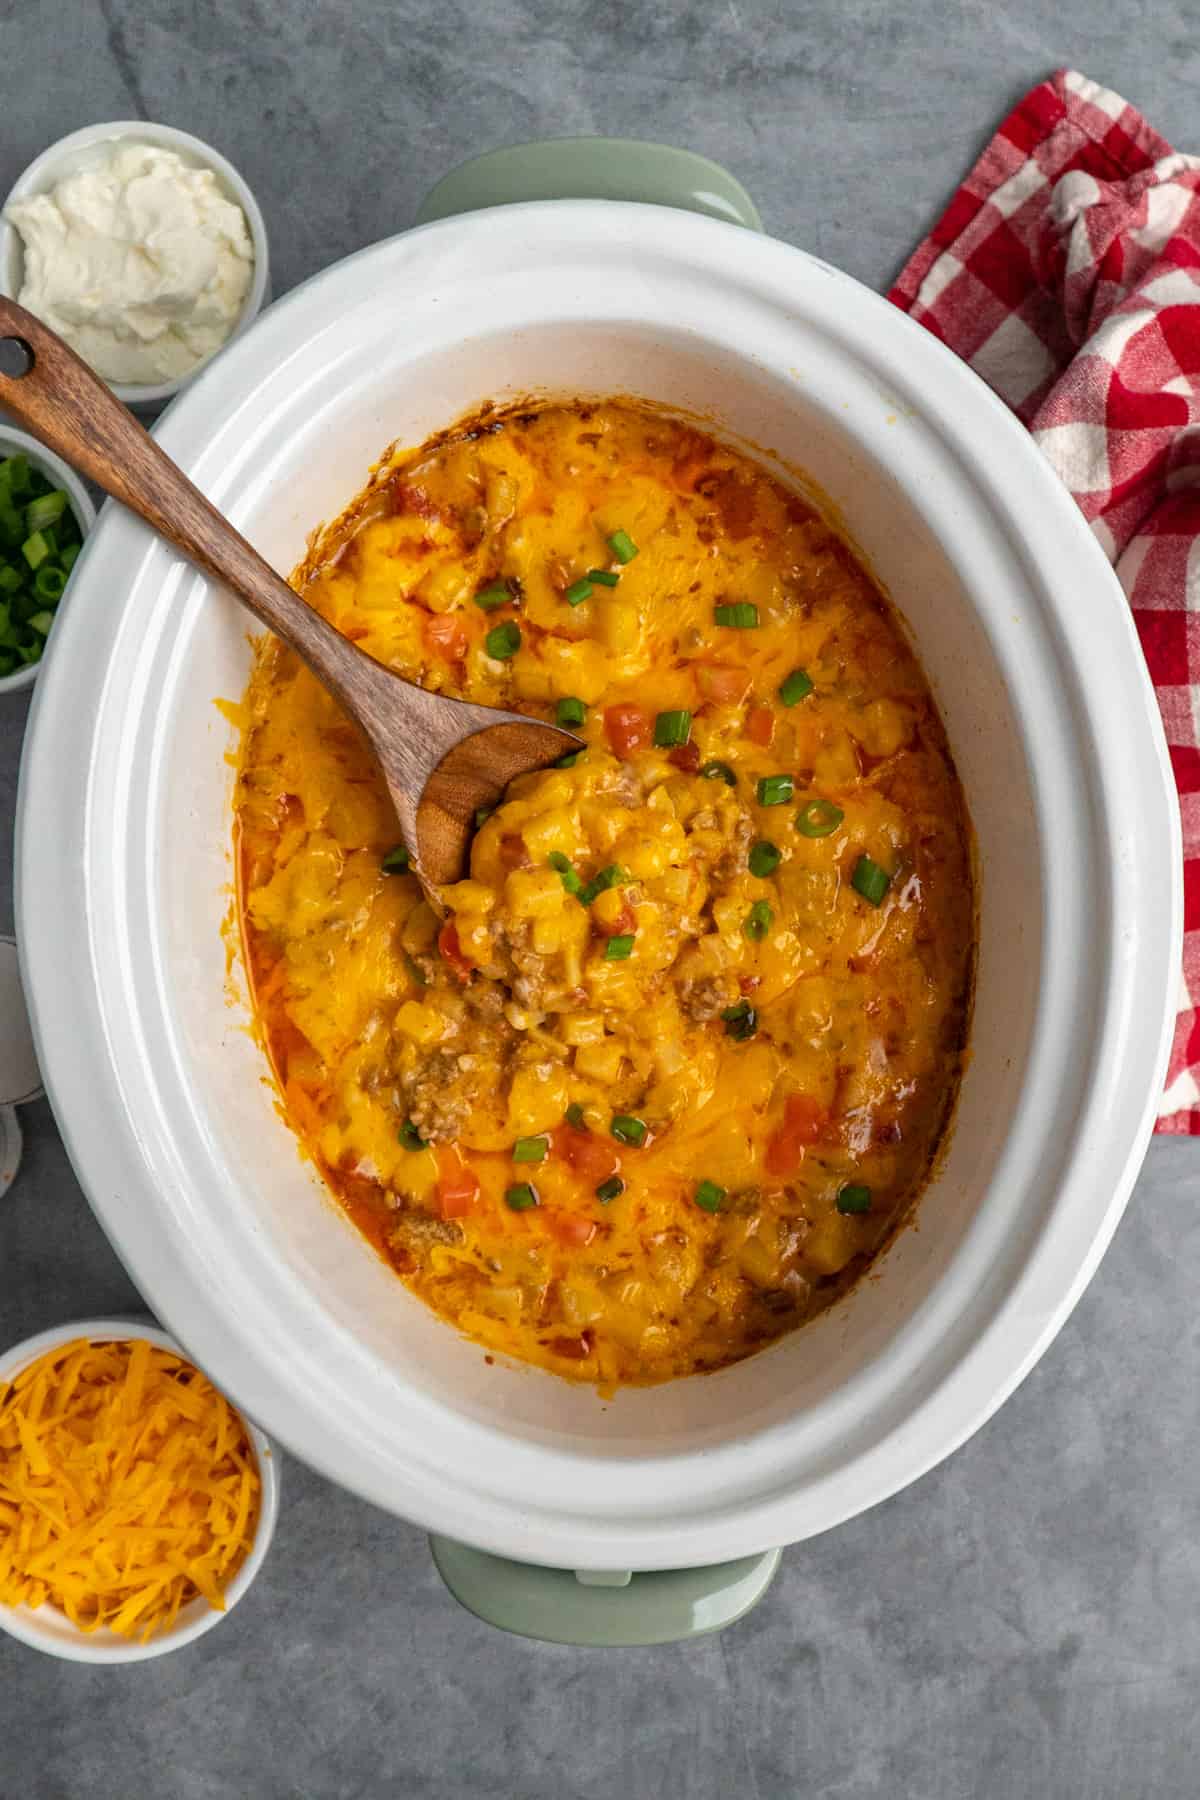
443 759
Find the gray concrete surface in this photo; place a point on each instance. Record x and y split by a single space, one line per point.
1025 1622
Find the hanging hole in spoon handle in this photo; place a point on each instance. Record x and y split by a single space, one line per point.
16 358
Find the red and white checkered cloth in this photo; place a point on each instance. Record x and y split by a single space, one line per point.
1066 272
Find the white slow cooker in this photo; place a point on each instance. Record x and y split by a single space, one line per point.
125 881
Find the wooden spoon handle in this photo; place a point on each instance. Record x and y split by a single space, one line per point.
48 388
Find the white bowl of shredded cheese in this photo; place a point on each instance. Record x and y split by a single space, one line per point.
47 1627
142 246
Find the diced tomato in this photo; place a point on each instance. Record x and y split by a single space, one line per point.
451 950
804 1119
686 757
571 1230
457 1186
628 729
590 1157
446 635
625 921
760 726
748 983
724 686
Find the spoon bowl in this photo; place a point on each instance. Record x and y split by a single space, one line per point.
444 760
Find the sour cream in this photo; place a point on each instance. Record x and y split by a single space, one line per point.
138 260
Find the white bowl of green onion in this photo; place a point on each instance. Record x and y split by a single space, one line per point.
45 514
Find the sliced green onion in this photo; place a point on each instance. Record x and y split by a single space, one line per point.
569 760
396 861
742 615
41 623
520 1196
818 818
35 549
570 877
795 687
775 790
622 546
719 771
619 948
603 577
493 596
709 1197
570 711
758 920
612 1189
531 1149
854 1198
18 473
411 1138
741 1022
575 1116
67 559
482 815
672 728
46 511
503 641
49 582
628 1130
611 877
578 592
10 579
764 858
870 880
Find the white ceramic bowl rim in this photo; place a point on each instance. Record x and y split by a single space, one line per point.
120 1085
68 152
46 1627
14 443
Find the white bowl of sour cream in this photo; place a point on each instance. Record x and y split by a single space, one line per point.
147 321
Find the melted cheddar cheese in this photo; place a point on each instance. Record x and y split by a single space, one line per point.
678 1059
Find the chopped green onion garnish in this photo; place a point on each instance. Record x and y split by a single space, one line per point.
396 861
520 1197
709 1197
611 877
35 550
49 582
482 815
411 1138
46 511
67 559
619 948
41 623
489 598
531 1149
570 878
569 760
719 771
575 1116
622 546
774 790
10 578
795 687
819 818
603 577
743 615
671 728
764 858
757 922
578 592
870 880
628 1130
570 711
854 1198
18 472
612 1189
741 1022
503 641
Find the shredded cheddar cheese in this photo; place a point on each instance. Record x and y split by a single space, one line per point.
128 1486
